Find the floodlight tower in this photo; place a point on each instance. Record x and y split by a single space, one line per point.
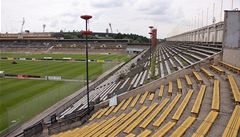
86 33
151 27
44 26
23 22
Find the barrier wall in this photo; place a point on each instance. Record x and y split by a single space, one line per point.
211 33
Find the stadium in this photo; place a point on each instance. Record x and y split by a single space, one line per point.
106 84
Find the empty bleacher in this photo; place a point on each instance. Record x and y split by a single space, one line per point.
200 109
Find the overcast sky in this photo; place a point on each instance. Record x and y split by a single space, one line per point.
126 16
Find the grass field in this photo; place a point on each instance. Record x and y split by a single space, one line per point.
74 56
22 99
68 70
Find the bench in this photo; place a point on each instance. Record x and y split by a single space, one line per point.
150 118
230 67
145 133
109 125
170 88
183 127
198 102
151 97
143 98
103 112
140 119
216 96
235 89
198 77
163 131
161 91
164 115
119 106
127 122
131 135
110 130
182 106
179 85
100 127
95 115
109 110
234 123
135 101
205 71
206 124
127 103
189 82
217 69
92 127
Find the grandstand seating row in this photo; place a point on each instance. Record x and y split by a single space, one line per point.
183 113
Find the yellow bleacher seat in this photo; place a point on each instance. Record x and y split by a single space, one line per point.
161 91
134 102
198 102
164 115
148 120
216 96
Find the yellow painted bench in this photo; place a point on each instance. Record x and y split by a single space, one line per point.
170 88
163 131
149 119
161 91
217 69
197 76
109 125
145 133
130 135
235 89
179 84
230 67
206 72
119 106
115 126
206 124
143 98
182 106
103 112
109 110
216 96
95 115
233 124
140 119
100 127
134 102
93 127
127 122
151 97
189 82
127 103
169 108
183 127
198 102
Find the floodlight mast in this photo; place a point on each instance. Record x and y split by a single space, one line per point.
86 33
151 27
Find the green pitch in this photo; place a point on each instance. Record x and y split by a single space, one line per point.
22 99
113 57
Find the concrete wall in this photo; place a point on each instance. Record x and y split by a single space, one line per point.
212 33
231 42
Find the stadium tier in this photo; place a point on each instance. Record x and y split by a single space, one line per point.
204 102
169 57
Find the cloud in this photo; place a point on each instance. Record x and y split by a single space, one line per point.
106 3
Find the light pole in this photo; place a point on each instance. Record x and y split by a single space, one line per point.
151 27
86 33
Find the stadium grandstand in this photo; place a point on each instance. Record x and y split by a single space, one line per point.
186 85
